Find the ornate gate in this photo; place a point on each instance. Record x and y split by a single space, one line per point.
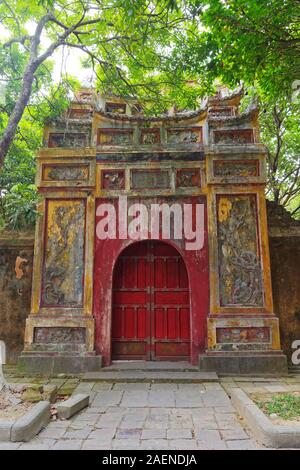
151 313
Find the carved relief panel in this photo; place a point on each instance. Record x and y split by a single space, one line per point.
243 335
180 136
150 136
59 335
236 168
115 137
119 108
113 179
86 96
221 111
236 136
148 179
63 269
188 178
79 113
240 273
68 140
70 173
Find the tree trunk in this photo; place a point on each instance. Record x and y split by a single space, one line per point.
17 113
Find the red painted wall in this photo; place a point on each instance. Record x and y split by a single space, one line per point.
196 261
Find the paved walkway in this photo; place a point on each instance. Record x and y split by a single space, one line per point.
152 415
148 416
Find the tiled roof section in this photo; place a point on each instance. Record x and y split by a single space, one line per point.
201 112
232 99
228 100
250 113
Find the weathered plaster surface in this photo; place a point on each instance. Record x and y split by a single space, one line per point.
16 257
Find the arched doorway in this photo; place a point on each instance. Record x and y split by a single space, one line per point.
150 304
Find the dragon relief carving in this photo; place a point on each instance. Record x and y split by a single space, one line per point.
63 270
239 261
53 294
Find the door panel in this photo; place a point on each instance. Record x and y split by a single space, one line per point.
151 315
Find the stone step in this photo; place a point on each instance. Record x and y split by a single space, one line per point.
294 369
159 376
150 366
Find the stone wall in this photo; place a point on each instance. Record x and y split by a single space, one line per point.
284 236
285 268
16 256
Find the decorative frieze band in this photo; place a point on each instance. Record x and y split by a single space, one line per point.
115 136
235 136
61 172
148 179
183 136
161 180
68 140
235 168
59 335
243 335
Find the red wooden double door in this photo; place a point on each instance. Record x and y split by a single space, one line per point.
151 312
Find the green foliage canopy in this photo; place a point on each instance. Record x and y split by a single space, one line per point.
152 50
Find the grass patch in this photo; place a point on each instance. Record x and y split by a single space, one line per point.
284 405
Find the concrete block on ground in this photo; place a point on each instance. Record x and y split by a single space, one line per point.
5 429
30 424
73 405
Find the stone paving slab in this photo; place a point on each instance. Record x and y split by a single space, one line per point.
154 416
107 398
158 428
